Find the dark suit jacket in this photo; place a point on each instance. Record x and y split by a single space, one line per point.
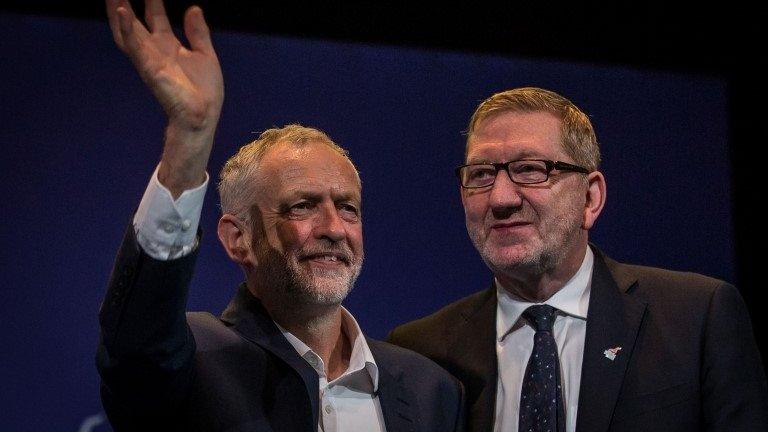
688 360
164 370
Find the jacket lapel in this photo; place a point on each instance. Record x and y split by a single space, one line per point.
613 322
398 404
474 347
249 318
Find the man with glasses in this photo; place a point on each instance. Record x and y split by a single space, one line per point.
565 338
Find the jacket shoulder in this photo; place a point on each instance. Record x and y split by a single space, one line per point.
438 394
210 332
653 284
674 295
407 360
427 335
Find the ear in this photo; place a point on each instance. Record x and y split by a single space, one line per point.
595 199
235 237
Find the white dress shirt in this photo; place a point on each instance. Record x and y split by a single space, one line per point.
167 229
350 402
514 344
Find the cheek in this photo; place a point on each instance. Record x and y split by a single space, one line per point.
355 236
292 235
475 206
560 208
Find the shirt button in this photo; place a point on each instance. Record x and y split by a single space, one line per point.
185 225
328 409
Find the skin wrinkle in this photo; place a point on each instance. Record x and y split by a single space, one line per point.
280 242
188 83
549 218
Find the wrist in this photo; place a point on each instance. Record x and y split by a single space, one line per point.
185 158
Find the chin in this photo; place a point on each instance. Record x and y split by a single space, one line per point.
325 291
512 258
512 253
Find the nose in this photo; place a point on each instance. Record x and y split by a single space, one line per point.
505 195
329 224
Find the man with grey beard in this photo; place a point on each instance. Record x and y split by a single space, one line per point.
284 355
566 339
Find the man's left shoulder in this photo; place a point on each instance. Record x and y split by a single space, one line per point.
434 397
669 294
410 364
640 280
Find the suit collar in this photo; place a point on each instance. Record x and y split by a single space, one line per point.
247 316
613 322
398 404
473 345
361 360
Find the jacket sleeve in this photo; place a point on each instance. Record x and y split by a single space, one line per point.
461 416
734 390
146 349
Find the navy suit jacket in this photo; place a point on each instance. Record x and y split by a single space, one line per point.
164 369
688 359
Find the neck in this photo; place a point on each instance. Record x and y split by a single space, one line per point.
324 334
318 326
537 286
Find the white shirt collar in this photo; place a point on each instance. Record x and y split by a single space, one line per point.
361 358
572 299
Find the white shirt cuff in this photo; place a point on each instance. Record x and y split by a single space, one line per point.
167 229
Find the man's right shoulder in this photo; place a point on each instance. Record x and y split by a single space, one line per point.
427 335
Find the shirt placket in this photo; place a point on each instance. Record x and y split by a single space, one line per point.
328 410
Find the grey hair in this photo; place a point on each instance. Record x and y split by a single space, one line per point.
579 140
237 189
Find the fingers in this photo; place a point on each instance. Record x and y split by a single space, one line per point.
114 23
126 29
133 35
155 16
196 30
131 30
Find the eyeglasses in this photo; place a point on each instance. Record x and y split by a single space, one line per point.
526 171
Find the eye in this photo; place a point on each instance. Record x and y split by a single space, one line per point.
348 211
482 172
527 167
301 208
529 172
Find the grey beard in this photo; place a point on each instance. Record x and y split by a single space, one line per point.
292 287
534 265
546 260
303 291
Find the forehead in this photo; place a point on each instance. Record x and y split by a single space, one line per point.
312 167
513 135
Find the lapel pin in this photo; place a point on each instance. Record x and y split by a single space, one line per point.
611 353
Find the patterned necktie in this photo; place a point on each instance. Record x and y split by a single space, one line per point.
541 403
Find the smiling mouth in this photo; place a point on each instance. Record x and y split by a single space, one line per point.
508 225
327 258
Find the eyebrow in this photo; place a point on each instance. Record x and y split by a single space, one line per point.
346 196
318 196
524 155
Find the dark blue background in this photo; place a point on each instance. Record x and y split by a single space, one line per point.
80 136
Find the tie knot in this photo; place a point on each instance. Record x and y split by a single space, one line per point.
541 317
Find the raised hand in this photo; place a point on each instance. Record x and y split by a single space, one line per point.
186 81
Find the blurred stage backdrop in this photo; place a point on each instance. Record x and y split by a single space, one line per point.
80 136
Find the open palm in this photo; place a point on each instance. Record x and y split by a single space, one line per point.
186 81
